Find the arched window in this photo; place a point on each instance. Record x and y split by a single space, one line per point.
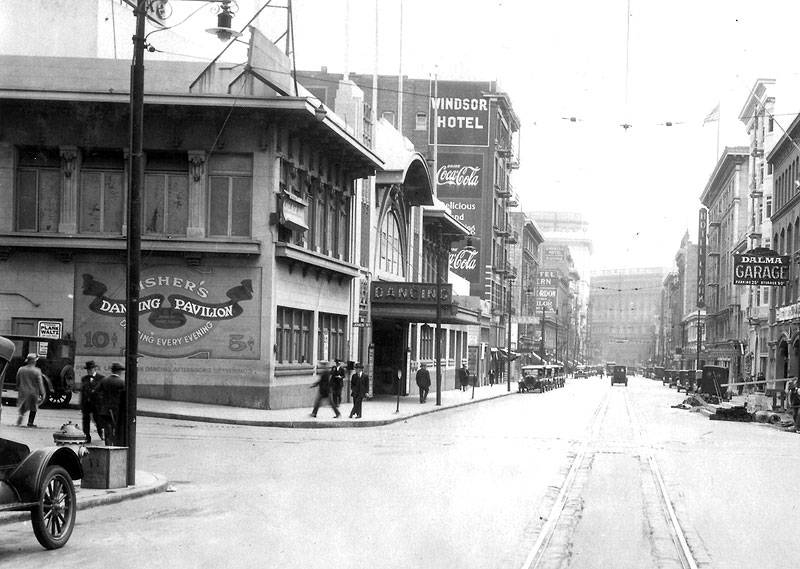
391 250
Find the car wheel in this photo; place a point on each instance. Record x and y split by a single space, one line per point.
54 516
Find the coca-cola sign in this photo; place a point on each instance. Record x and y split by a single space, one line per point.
459 175
465 261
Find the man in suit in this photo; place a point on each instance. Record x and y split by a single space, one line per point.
337 382
89 383
359 386
108 397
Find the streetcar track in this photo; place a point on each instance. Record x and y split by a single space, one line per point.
578 471
678 535
550 525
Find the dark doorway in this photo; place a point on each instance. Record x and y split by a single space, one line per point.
390 339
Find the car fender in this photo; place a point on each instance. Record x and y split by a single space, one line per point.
28 476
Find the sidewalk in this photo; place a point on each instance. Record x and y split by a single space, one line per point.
381 410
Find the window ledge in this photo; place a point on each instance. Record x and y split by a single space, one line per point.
119 243
288 370
295 254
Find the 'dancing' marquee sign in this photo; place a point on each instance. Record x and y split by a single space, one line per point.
761 267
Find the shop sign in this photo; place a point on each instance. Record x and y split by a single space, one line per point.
702 226
410 293
554 253
459 175
50 328
292 210
461 114
182 313
545 281
761 267
546 304
789 312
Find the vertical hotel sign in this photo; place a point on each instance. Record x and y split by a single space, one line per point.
702 229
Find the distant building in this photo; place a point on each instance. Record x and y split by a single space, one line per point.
624 309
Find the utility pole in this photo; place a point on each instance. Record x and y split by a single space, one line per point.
436 347
508 342
541 340
128 421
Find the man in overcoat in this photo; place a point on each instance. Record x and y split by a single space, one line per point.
423 382
359 386
107 399
30 389
323 385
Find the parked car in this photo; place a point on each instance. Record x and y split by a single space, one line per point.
619 374
57 362
40 482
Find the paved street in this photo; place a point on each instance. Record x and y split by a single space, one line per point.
560 479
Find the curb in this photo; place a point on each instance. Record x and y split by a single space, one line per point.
326 424
112 496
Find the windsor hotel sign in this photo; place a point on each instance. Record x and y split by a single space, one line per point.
761 267
410 293
462 114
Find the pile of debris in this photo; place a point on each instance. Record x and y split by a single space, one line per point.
732 414
690 402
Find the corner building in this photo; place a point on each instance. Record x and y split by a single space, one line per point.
248 242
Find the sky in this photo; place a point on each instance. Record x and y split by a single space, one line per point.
639 188
594 60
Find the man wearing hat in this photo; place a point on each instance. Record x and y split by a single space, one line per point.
30 389
107 398
89 383
359 386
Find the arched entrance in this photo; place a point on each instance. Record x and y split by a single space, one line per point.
782 359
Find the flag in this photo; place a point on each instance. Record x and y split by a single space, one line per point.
713 116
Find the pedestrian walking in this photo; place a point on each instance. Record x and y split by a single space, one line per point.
794 403
359 386
323 385
462 374
89 383
337 382
423 382
107 399
491 377
30 390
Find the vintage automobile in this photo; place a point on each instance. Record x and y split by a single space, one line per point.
57 362
619 374
39 482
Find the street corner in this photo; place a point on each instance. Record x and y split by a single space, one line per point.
147 483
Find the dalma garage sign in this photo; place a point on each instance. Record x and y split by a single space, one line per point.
761 267
182 313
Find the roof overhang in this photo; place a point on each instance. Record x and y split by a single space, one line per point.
411 173
440 215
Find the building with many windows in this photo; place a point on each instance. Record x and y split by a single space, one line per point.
725 196
623 315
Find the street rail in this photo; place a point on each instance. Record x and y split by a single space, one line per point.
539 548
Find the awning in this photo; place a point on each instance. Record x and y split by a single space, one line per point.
504 354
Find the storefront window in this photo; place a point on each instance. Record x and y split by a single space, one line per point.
331 337
293 335
426 343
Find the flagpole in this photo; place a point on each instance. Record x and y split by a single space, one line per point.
719 120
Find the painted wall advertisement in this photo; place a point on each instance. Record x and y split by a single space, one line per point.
465 260
461 114
459 175
183 313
